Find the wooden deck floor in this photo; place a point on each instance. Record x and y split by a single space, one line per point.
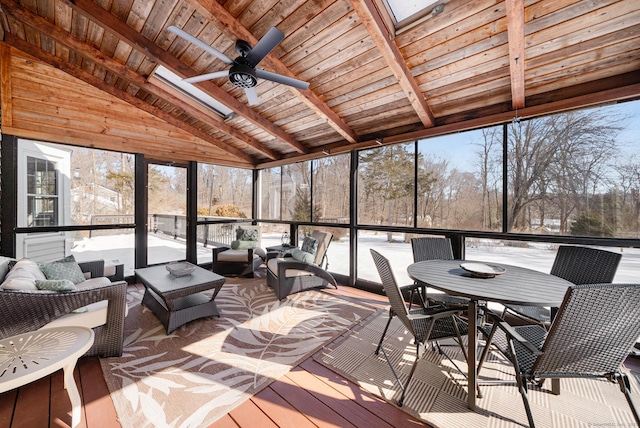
309 396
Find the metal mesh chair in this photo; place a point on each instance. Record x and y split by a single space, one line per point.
428 248
579 265
591 336
425 324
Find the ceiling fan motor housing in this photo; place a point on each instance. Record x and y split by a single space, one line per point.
242 75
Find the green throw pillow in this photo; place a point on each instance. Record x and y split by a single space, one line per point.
66 268
246 234
302 256
55 285
310 245
243 245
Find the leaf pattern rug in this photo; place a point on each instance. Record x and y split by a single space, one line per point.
205 368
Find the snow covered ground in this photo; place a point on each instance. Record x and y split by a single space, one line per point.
163 249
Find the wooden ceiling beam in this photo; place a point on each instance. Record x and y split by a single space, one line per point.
86 77
623 93
374 24
515 30
214 11
155 53
92 54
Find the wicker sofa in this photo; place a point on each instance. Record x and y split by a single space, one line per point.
103 297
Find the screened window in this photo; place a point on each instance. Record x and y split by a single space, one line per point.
460 181
386 177
224 191
331 200
575 173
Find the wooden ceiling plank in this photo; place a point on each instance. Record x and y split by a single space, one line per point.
375 26
123 95
89 52
214 11
138 41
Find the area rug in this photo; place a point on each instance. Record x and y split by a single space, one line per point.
437 393
205 368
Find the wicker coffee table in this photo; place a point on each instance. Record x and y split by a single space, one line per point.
178 300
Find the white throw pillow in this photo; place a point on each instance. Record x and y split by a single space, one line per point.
23 276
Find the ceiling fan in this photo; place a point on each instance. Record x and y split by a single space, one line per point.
243 72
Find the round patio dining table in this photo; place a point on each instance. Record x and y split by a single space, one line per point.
516 285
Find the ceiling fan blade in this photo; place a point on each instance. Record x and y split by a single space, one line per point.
202 45
279 78
252 96
207 76
265 45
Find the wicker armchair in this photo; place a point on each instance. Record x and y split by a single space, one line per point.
579 265
24 310
591 336
425 324
239 262
287 275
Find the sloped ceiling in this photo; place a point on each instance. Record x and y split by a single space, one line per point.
474 63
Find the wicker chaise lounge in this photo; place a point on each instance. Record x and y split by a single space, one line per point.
288 275
26 310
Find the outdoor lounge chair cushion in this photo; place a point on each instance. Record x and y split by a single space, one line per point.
302 256
243 245
272 265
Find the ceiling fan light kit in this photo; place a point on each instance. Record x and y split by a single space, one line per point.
243 73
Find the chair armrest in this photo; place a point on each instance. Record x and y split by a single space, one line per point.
436 313
512 333
218 250
94 267
314 269
25 310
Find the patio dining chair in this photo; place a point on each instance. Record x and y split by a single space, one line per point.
429 248
426 324
579 265
590 337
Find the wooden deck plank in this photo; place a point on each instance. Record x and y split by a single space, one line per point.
30 411
279 410
7 403
97 403
309 404
60 404
375 405
248 414
225 422
358 415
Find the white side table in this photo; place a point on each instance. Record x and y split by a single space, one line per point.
34 355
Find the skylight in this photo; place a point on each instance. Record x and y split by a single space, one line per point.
187 88
406 11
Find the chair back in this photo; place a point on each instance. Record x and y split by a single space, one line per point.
584 265
391 289
595 329
324 239
431 249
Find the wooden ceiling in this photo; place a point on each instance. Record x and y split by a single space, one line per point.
476 63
